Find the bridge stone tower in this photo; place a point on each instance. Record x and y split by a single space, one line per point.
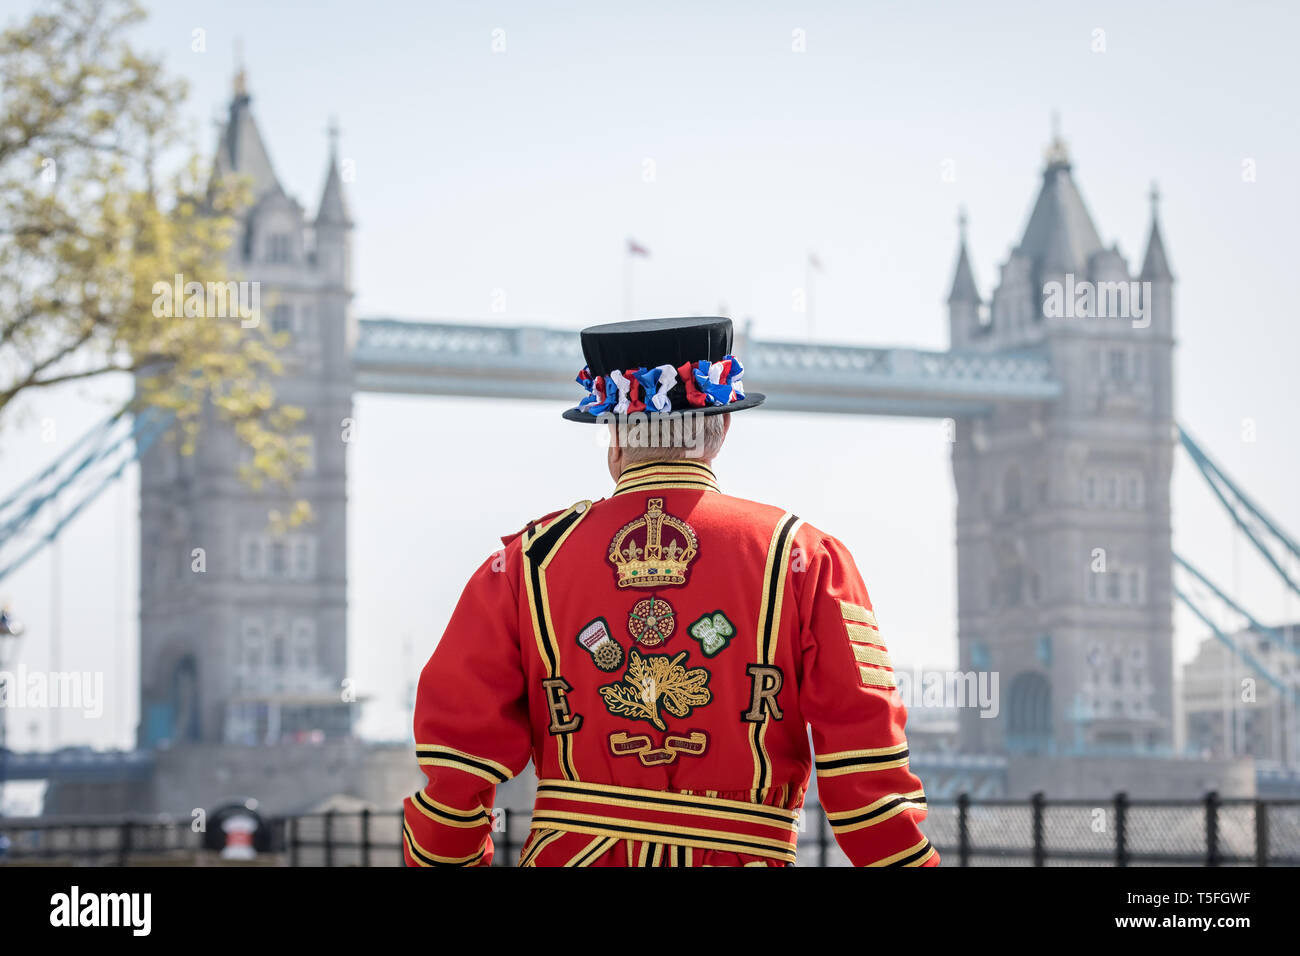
1063 514
253 648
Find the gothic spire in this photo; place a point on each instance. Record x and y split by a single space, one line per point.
333 209
240 149
963 280
1060 236
1155 265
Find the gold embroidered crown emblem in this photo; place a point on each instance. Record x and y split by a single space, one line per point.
654 550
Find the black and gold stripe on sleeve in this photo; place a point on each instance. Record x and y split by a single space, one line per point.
915 855
890 805
450 816
424 858
436 755
859 761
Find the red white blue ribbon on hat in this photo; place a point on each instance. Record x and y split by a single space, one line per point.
656 389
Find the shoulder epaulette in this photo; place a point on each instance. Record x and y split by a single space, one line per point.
544 519
539 545
526 529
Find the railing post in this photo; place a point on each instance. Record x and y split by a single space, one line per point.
1212 828
1121 829
1261 833
506 844
823 843
329 838
501 846
365 836
963 829
1039 855
124 843
293 841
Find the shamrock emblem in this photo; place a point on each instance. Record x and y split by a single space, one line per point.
713 631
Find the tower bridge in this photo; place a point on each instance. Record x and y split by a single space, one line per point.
1063 444
444 358
1064 436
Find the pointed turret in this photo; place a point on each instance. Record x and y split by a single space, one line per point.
1060 237
963 280
333 223
964 300
1155 265
333 207
240 149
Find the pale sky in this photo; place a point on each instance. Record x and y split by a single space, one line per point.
500 187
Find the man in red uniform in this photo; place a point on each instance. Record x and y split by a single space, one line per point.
660 654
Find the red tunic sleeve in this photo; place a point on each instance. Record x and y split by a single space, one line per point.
873 801
471 722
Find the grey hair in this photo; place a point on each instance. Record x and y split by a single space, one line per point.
688 435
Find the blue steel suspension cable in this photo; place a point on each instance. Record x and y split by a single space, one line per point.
23 518
98 430
1272 634
142 445
1213 475
1247 657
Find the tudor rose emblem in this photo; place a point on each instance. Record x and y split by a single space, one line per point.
651 621
655 550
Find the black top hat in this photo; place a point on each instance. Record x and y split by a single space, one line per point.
626 367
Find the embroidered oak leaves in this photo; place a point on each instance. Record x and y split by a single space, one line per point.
653 681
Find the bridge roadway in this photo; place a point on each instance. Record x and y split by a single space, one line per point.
483 361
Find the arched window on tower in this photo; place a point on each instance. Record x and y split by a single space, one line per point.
185 700
279 247
1015 579
1029 716
1135 490
1011 490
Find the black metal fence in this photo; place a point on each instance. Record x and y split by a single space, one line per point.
95 841
1212 831
1037 832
